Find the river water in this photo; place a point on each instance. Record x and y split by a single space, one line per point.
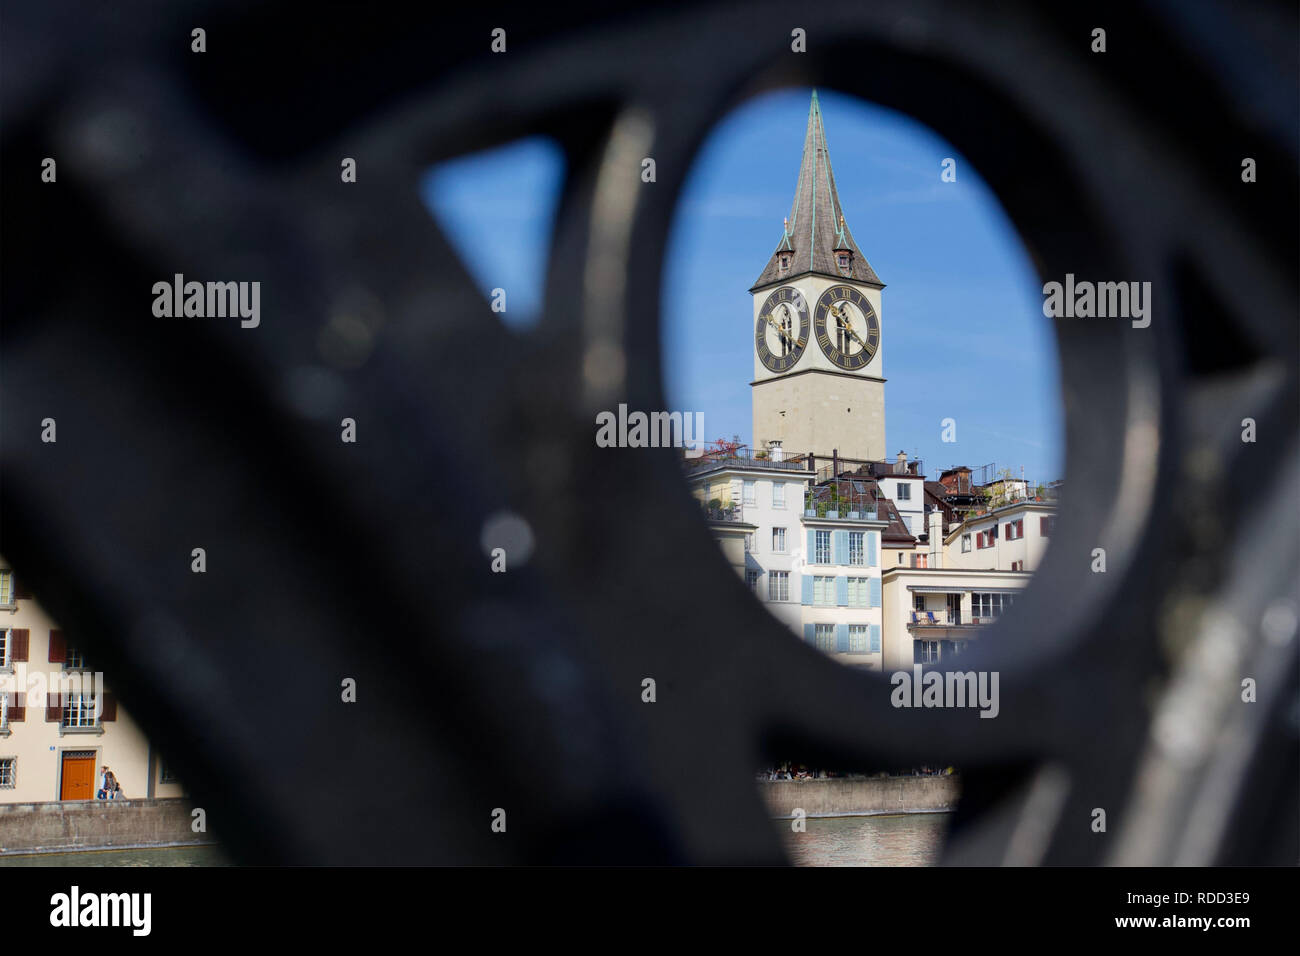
910 839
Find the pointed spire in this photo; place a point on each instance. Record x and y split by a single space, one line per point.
815 231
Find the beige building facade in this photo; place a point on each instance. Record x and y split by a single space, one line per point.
60 721
932 614
971 577
1011 538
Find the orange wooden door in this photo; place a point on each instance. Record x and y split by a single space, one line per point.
78 777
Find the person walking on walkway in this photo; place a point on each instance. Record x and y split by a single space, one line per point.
109 788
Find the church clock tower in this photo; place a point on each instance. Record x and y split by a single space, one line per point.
818 373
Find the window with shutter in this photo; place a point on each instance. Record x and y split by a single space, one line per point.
857 588
21 643
58 650
823 589
857 546
858 639
825 637
79 711
822 541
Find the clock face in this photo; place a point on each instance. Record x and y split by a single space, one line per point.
781 332
846 327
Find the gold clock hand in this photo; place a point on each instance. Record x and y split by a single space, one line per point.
848 326
785 336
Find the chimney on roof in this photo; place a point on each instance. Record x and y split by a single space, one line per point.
774 452
900 468
936 538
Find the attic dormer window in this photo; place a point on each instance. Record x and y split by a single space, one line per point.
783 263
845 262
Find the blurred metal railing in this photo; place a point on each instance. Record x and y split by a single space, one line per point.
523 690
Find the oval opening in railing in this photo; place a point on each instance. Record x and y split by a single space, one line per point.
855 320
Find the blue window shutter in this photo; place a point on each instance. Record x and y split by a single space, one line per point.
873 537
811 556
841 590
810 633
874 646
841 542
842 637
874 601
807 589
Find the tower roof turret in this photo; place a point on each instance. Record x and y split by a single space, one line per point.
815 229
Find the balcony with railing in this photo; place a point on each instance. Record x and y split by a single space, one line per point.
944 617
728 514
724 454
862 468
852 499
861 512
982 499
940 618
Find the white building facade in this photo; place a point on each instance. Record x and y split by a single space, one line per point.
767 497
840 587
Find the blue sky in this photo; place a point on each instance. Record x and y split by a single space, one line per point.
963 331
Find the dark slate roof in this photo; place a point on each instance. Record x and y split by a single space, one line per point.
935 495
816 228
936 489
897 532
